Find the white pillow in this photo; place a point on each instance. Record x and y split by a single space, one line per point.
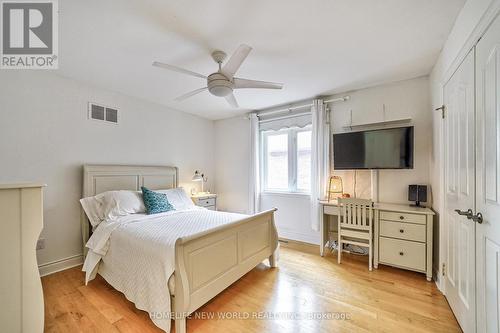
128 202
111 205
178 198
92 208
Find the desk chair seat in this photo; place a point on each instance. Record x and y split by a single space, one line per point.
355 225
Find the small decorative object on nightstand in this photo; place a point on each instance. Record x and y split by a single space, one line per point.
207 200
199 177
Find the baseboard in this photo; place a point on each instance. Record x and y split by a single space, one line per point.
60 265
288 241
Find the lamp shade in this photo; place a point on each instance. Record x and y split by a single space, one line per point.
335 188
197 177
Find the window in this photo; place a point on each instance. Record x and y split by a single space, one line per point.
286 160
277 161
304 161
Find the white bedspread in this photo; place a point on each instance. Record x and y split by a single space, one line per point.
137 254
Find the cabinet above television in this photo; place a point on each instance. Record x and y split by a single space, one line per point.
378 123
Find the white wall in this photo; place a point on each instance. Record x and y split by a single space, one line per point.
45 136
470 18
403 99
293 218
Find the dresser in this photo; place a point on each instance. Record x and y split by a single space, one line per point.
21 216
207 200
402 235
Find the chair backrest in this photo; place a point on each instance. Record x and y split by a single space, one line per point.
355 213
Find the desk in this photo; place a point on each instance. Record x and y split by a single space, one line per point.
402 235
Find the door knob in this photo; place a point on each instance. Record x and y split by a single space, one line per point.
468 213
477 218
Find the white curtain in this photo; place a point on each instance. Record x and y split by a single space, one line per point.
254 180
320 158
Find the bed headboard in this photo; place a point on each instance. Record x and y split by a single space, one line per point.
102 178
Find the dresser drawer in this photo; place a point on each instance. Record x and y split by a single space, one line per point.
402 217
402 253
205 202
401 230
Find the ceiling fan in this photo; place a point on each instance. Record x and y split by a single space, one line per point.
222 82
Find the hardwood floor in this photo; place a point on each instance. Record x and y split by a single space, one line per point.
305 285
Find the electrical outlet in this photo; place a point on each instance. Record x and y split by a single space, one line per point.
40 244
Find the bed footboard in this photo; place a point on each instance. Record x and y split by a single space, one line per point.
209 262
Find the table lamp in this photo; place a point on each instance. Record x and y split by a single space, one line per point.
199 177
335 188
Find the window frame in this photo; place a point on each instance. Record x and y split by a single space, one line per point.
292 160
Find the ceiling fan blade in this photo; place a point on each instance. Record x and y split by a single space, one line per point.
234 63
232 100
189 94
244 83
178 69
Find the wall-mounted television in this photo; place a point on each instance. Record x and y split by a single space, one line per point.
390 148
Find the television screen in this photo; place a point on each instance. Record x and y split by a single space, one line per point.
375 149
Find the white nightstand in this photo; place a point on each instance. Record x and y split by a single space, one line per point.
207 200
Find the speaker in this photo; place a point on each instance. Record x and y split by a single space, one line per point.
412 192
417 193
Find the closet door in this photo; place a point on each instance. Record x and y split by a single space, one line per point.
488 179
459 193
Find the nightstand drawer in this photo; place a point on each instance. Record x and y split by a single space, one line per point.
205 202
402 217
402 253
210 207
401 230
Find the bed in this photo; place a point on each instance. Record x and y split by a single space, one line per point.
206 258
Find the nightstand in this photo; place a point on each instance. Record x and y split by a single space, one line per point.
207 200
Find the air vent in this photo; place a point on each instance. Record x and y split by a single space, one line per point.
112 115
97 112
103 113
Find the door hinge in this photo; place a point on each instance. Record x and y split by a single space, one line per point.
443 269
442 108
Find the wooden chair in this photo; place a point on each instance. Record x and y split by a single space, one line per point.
355 225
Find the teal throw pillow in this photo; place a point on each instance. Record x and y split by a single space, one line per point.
155 202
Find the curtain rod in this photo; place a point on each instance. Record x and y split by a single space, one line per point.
289 109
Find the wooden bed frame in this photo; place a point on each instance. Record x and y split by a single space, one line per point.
206 263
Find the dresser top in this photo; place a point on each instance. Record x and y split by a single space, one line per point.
203 195
390 207
21 185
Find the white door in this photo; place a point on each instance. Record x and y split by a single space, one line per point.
488 179
459 129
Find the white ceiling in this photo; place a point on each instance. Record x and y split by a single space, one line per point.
314 47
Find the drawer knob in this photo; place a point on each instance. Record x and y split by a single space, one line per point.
401 230
401 253
401 217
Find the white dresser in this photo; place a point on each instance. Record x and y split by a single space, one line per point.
403 238
21 217
207 200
